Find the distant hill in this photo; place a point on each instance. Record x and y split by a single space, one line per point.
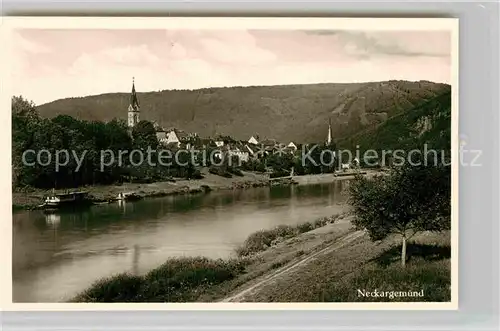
429 123
297 113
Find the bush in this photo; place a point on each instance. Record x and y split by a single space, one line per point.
119 288
177 280
254 165
305 227
196 175
260 167
261 240
257 242
321 222
180 279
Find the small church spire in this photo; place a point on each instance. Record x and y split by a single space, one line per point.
329 137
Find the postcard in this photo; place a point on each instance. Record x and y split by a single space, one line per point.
230 163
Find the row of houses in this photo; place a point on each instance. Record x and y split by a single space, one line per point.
243 149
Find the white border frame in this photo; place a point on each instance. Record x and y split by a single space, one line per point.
372 24
479 226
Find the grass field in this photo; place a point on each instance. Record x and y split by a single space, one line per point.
427 273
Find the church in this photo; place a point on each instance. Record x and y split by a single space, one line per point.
133 108
172 136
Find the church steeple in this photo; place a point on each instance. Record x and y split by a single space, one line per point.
133 108
133 97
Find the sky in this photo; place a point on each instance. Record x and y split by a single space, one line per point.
54 64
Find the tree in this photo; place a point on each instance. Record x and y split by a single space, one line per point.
25 121
24 108
319 158
280 162
144 135
412 198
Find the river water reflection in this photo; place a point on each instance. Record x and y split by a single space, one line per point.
56 256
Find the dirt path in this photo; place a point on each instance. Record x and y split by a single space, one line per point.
266 279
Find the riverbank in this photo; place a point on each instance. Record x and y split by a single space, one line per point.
209 182
327 260
104 193
331 177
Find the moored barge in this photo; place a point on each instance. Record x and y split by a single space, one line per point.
68 199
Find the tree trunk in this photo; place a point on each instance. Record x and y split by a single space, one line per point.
403 251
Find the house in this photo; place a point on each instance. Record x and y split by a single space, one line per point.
219 143
174 136
161 136
160 132
253 140
271 146
250 149
291 145
242 155
157 126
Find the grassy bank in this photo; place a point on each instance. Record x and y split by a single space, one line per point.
263 239
430 278
428 271
177 280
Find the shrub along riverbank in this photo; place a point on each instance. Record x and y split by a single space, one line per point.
263 239
177 280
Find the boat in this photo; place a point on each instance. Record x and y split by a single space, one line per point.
68 199
130 196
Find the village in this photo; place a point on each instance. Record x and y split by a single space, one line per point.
225 146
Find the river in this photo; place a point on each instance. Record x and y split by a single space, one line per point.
56 256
